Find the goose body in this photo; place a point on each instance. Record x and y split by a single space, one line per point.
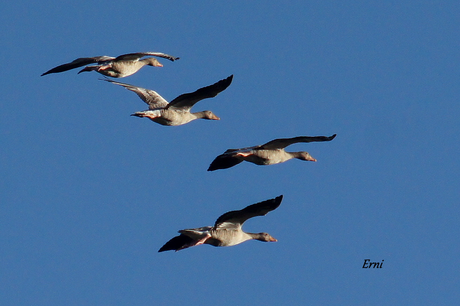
177 112
271 153
116 67
227 230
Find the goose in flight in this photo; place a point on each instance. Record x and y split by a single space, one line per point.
116 67
227 229
267 154
176 112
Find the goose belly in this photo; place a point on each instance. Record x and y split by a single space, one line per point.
126 68
267 157
174 118
229 237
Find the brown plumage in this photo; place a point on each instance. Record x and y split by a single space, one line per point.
116 67
227 230
267 154
177 112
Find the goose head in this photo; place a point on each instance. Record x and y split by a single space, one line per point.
303 156
151 61
265 237
207 115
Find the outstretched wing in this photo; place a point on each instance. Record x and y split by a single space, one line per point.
284 142
151 97
186 101
138 55
236 218
83 61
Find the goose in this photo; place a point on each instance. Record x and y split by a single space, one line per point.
177 112
267 154
116 67
227 229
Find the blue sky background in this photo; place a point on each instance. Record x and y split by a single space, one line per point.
89 194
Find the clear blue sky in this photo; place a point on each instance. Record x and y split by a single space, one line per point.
89 194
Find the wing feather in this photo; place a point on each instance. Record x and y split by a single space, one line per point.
282 143
151 97
224 161
138 55
236 218
187 100
82 61
176 243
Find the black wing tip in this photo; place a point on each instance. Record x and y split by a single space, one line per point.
163 249
226 82
214 166
223 162
332 137
274 203
54 70
171 245
176 243
271 204
277 200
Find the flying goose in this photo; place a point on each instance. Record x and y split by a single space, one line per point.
116 67
177 112
267 154
227 229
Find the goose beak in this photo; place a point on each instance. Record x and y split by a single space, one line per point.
273 239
